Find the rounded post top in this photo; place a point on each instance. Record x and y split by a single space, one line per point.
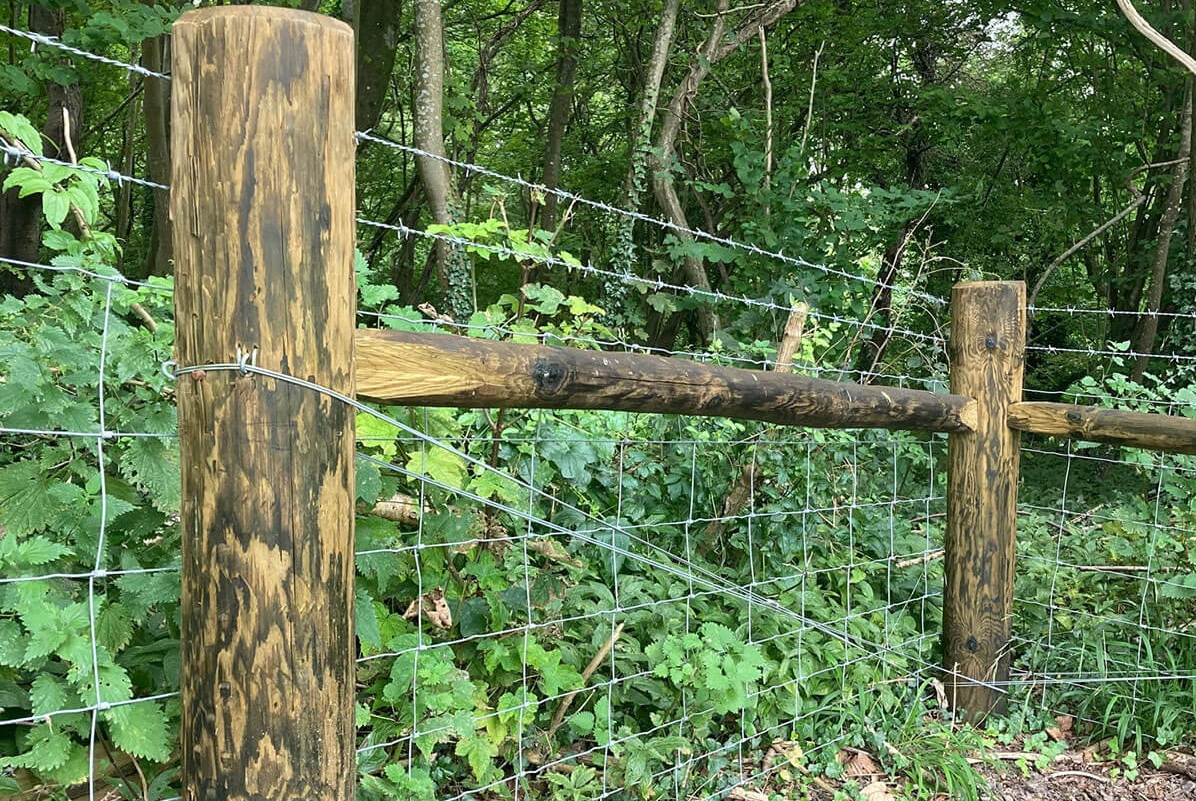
992 284
242 14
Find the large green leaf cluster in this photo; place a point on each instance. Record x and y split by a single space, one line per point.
88 541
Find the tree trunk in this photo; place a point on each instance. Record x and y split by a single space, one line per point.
714 49
623 258
377 27
568 36
429 116
452 263
694 270
20 236
156 102
882 306
20 218
1149 326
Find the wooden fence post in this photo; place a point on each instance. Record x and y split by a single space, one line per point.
988 332
262 203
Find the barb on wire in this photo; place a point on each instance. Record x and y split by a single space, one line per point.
1171 357
1074 311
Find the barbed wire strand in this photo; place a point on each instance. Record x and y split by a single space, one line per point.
639 217
659 284
57 44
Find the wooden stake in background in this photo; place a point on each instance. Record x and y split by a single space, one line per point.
262 200
988 340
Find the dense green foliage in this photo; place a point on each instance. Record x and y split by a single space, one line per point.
901 149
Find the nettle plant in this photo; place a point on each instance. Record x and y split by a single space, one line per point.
82 517
454 702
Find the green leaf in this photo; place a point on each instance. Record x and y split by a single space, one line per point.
55 173
25 506
152 464
49 694
366 620
30 182
141 729
55 206
13 644
579 306
414 783
369 482
554 676
48 750
115 684
480 753
572 456
491 484
544 299
473 617
377 435
582 723
43 642
440 465
22 129
86 199
1179 588
719 637
40 551
74 770
12 697
141 592
374 296
114 627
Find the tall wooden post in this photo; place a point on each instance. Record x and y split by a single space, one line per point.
988 333
262 202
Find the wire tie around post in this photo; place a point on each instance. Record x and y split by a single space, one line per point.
170 368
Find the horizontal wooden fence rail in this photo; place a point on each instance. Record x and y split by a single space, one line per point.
1158 432
401 367
418 369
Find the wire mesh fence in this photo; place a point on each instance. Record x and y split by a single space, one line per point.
580 604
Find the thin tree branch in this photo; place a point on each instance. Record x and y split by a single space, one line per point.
1159 40
805 132
1139 199
767 115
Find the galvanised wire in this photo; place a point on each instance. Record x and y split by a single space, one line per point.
57 44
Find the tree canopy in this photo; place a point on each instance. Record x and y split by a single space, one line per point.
912 145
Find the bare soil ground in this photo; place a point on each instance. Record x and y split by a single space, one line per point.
1087 774
1074 776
